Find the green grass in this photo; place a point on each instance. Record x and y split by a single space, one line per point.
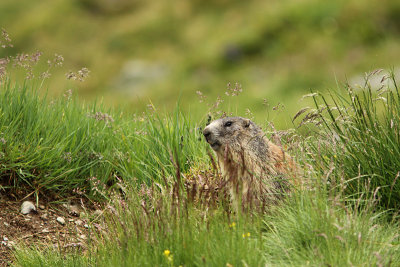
316 230
345 216
194 237
58 145
359 138
310 229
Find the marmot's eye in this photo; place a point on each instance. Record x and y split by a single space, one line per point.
228 123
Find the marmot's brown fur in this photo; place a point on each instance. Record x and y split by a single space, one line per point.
246 155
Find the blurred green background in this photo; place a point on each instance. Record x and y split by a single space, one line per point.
161 51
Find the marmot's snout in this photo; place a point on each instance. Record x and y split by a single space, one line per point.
211 138
207 133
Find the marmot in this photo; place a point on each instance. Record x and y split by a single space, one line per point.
247 156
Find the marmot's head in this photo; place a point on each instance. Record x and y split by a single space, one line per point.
231 131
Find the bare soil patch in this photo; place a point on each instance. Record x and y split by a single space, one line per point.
41 227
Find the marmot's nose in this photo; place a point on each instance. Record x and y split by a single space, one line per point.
207 133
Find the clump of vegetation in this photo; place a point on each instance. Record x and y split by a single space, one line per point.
358 139
319 228
54 145
60 145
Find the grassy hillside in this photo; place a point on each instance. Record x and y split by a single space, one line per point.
140 50
152 173
162 70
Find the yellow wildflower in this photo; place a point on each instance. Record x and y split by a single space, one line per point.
232 225
168 256
167 252
246 235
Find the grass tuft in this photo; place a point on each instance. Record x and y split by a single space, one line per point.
358 138
63 146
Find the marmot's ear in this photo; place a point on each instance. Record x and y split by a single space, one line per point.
246 123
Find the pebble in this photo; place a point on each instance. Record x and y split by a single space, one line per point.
42 207
61 220
78 222
27 207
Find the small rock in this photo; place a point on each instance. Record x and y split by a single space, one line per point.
42 207
5 238
6 224
45 230
86 226
27 207
61 220
78 222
